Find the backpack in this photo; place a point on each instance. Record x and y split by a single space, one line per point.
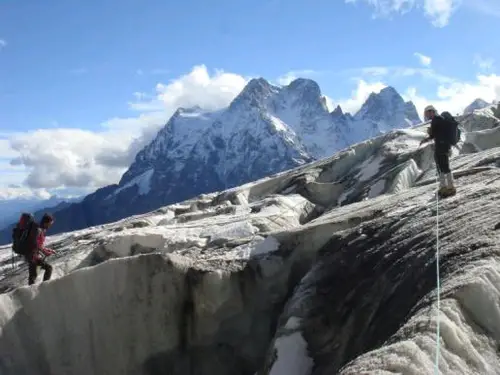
22 234
454 132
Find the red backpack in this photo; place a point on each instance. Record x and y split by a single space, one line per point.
22 234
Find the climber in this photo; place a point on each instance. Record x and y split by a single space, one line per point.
33 257
441 131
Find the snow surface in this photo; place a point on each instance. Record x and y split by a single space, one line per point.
406 178
369 168
290 285
143 182
292 356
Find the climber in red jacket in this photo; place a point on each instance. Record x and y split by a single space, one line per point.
34 258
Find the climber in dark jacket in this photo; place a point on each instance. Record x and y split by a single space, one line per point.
439 132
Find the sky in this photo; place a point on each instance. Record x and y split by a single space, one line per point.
85 84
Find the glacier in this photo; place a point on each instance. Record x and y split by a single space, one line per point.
328 268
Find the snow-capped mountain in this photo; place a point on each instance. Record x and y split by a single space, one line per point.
291 124
475 105
383 112
173 142
266 129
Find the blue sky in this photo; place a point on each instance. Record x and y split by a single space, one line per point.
81 79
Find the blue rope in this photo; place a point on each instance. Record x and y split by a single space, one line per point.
438 282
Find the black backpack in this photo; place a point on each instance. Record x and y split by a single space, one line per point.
454 132
22 234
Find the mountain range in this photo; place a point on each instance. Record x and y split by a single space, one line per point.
11 208
266 129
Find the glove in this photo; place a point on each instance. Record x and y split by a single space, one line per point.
49 252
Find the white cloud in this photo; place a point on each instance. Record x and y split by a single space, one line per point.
13 176
438 11
386 7
287 78
6 152
10 175
23 192
486 7
372 79
65 157
330 104
484 64
454 97
424 60
199 88
359 95
449 93
375 71
3 43
397 72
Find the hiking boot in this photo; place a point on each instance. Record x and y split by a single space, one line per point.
450 186
442 184
443 192
442 181
446 192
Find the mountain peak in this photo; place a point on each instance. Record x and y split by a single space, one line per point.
337 112
254 93
304 95
476 104
412 113
380 104
389 91
305 84
388 109
387 94
257 84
